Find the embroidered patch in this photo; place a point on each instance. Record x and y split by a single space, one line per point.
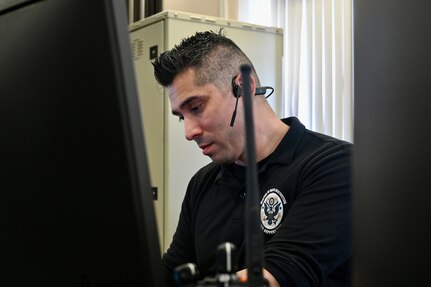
271 210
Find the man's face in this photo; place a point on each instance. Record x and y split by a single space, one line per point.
206 114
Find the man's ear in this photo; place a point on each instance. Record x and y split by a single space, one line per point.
237 85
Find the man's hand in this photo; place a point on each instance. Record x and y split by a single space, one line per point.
242 275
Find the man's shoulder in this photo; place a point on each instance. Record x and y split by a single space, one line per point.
201 181
207 169
325 142
320 153
302 145
206 172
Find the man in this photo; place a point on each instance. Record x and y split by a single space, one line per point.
304 177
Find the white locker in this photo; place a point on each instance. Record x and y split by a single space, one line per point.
172 159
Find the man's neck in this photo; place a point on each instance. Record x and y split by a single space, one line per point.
268 136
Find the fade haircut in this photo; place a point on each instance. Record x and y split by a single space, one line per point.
213 57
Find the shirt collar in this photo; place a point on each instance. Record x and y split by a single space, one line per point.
285 151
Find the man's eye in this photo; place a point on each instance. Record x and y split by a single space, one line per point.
196 108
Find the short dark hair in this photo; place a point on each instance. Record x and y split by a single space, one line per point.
214 58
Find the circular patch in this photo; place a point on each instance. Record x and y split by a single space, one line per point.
271 210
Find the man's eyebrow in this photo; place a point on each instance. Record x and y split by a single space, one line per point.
185 103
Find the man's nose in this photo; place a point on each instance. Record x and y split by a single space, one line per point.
192 129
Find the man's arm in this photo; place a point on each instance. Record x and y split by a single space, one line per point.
181 250
315 236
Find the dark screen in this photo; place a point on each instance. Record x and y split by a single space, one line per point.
392 199
76 206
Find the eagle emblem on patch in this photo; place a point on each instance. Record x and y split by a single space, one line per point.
271 210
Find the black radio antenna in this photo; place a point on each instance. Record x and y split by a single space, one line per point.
253 234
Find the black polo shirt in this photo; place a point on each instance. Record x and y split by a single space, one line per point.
305 190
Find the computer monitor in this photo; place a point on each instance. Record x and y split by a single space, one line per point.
76 205
391 156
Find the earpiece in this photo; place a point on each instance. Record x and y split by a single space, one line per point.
237 92
236 89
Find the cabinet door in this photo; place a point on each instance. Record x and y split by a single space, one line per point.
146 43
